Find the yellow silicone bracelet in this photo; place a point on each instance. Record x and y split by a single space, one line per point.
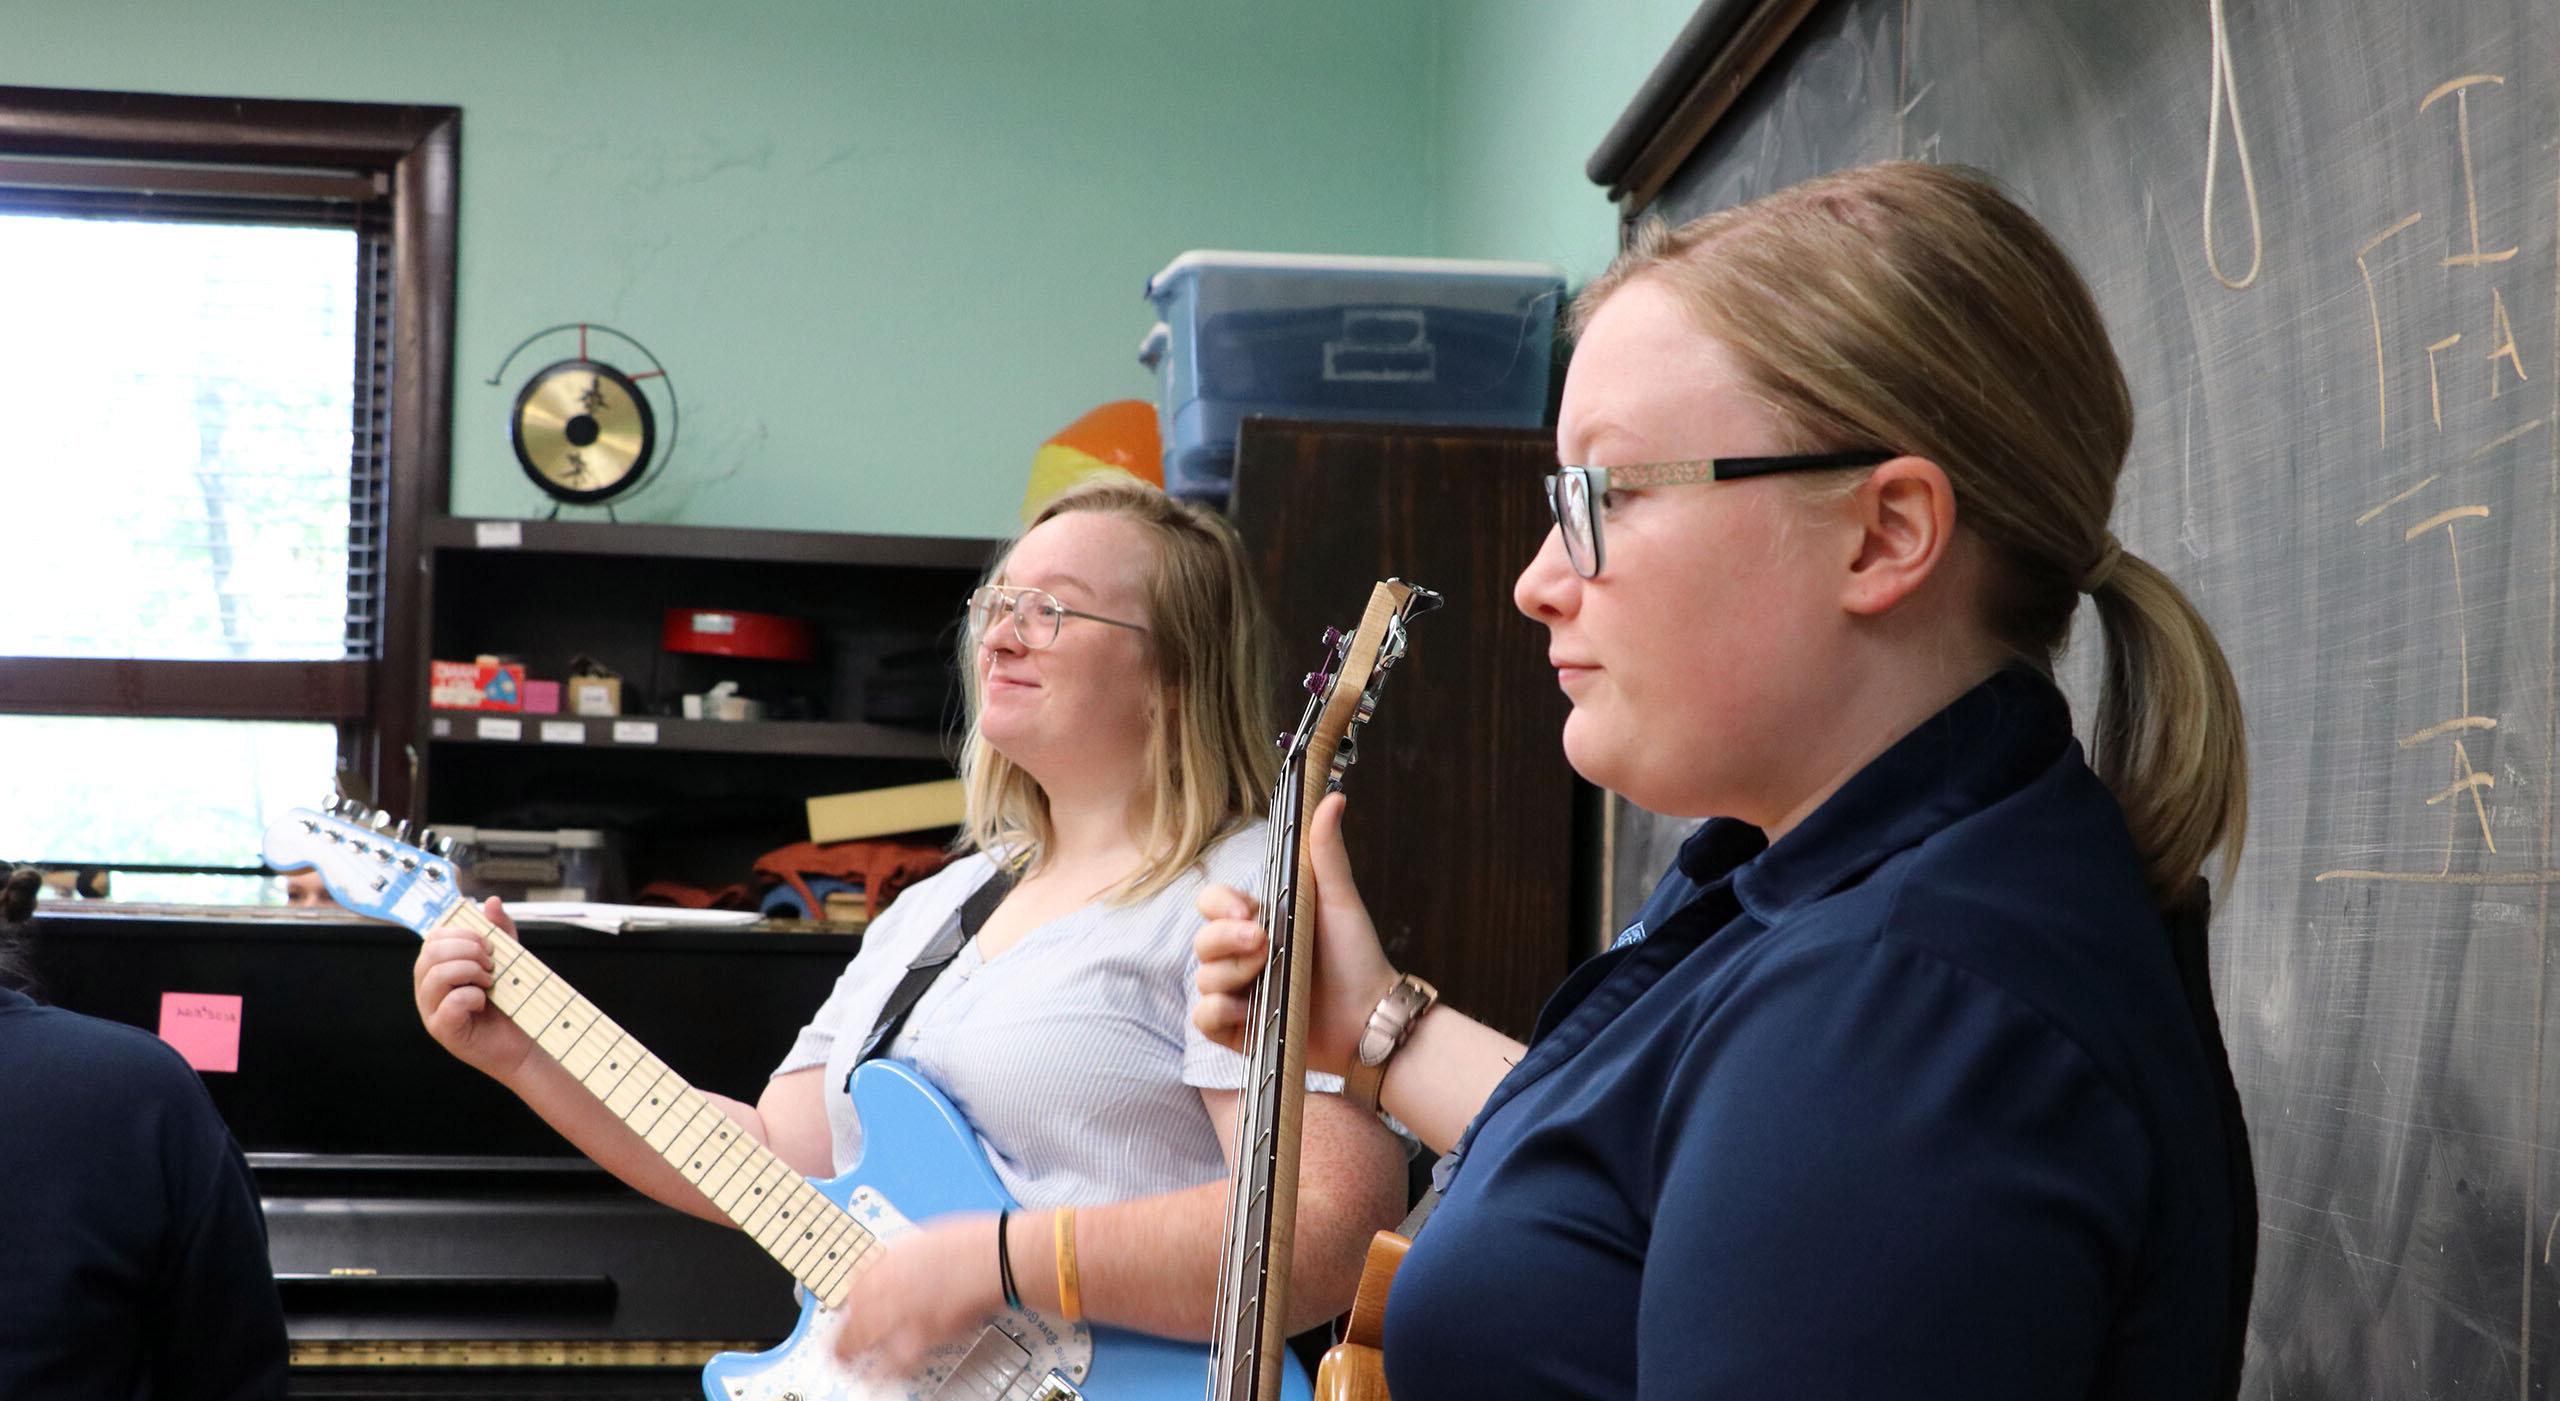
1070 1288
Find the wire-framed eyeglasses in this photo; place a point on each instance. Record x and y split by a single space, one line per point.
1572 490
1036 613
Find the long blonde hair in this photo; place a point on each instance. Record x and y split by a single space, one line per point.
1915 308
1210 761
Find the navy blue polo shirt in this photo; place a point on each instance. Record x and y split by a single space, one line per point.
1910 1104
134 1258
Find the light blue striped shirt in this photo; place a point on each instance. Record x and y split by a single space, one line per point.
1072 1052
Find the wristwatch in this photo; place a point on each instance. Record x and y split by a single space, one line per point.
1389 1024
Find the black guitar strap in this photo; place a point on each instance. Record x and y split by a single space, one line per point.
929 964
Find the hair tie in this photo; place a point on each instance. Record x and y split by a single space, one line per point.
2097 575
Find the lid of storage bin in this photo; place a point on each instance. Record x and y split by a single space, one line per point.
1199 259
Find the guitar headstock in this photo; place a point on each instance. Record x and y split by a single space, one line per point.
1344 688
367 862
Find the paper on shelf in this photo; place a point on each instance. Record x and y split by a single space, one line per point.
616 919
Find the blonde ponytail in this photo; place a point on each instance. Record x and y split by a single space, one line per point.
2169 741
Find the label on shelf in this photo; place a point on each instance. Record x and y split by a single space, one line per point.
635 731
491 727
439 728
564 732
498 535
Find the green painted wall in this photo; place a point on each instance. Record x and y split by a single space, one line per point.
887 248
1523 90
884 248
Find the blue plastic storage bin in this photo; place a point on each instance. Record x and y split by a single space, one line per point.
1407 340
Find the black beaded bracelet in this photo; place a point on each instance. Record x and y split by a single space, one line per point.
1004 1263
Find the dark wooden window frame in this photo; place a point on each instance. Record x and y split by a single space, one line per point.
412 151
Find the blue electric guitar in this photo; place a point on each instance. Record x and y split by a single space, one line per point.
920 1157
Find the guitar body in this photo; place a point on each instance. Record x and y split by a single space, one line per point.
1352 1372
920 1159
1356 1369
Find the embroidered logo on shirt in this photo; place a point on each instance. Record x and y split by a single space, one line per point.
1634 935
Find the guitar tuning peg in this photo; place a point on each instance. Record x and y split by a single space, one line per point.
1346 753
1332 638
379 820
400 831
1283 740
1316 682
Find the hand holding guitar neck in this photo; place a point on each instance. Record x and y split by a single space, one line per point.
450 983
1351 969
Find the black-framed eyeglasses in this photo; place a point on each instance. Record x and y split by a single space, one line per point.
1036 613
1571 489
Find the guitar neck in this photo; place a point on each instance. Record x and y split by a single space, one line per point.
822 1245
1253 1289
1249 1343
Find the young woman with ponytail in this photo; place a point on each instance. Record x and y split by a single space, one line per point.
1906 1081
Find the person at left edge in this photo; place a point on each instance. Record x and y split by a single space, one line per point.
134 1259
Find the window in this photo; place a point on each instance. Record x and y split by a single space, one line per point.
209 455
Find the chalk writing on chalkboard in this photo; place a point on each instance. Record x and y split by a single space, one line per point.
2222 92
2437 507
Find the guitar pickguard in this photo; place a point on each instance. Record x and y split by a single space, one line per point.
1012 1355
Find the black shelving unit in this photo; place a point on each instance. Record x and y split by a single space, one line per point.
695 800
808 738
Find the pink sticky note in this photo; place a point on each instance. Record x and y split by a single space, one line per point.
204 1026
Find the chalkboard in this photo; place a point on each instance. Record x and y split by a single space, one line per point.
2324 238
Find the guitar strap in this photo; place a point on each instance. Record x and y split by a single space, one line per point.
1412 1224
929 964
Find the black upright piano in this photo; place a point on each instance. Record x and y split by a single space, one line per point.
430 1236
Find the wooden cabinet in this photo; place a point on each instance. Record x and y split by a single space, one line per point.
1463 811
694 800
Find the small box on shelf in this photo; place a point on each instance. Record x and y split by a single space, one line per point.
485 684
595 695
